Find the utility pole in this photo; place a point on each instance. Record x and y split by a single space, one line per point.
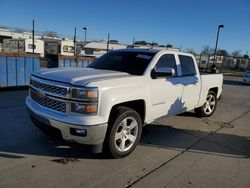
33 36
216 44
85 34
18 46
133 42
75 42
108 43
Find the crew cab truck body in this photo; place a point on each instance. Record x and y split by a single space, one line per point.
107 104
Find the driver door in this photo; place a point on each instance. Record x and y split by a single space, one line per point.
166 92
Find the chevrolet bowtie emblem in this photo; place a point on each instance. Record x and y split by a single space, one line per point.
40 93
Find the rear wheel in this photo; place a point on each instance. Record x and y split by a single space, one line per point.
124 132
209 106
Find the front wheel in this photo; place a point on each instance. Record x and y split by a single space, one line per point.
209 106
124 132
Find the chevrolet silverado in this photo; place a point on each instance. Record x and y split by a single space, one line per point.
107 104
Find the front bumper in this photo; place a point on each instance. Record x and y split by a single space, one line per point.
95 133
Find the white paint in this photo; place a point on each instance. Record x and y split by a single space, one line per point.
39 46
162 97
67 48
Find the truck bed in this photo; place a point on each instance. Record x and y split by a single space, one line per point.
210 81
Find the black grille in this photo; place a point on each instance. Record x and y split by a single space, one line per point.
48 102
49 88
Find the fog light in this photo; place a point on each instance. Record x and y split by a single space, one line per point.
78 132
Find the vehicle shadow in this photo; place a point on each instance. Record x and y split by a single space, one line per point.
49 144
166 136
159 136
14 88
189 114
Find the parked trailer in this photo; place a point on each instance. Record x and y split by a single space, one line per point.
67 48
13 45
74 61
15 69
23 46
38 44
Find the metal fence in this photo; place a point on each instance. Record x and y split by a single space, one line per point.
74 61
16 70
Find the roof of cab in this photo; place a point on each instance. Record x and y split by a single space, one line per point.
142 50
153 51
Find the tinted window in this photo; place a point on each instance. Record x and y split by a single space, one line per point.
187 65
134 63
167 60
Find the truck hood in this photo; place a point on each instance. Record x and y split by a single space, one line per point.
78 76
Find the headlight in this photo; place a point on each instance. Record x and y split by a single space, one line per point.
87 100
84 108
85 93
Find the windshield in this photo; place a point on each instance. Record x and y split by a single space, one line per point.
134 63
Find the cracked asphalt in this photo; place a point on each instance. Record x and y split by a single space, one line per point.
180 151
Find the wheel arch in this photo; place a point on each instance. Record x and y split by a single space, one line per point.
138 105
215 90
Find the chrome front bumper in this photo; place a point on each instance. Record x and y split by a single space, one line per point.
95 133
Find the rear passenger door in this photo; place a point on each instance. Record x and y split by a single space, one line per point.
190 81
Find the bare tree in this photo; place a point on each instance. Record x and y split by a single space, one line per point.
141 42
222 52
51 34
4 27
246 56
190 50
206 50
236 53
154 44
169 45
19 30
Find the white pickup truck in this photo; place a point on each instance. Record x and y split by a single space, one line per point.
107 104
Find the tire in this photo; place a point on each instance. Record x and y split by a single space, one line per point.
209 107
124 132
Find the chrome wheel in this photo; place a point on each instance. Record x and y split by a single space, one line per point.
210 104
126 134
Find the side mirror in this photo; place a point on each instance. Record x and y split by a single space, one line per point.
162 72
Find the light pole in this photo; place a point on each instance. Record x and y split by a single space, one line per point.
33 36
85 33
108 43
217 38
75 42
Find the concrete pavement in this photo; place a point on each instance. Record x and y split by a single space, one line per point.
181 151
